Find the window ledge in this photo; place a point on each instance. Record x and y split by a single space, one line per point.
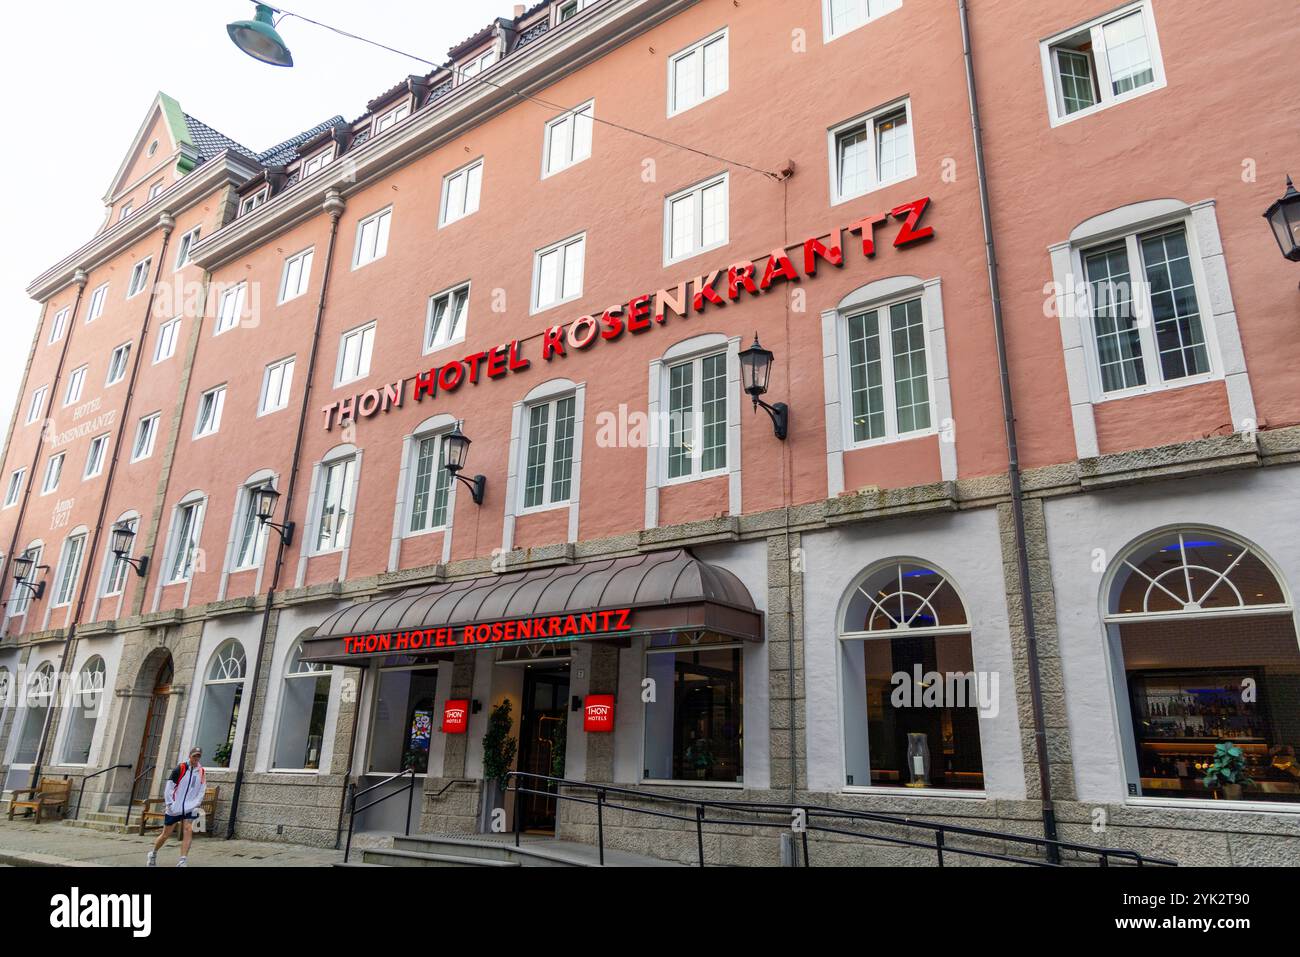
687 479
539 509
1139 391
696 252
837 200
873 503
1239 807
1057 120
444 346
891 440
1219 453
947 794
714 785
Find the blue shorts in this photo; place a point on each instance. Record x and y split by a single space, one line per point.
170 819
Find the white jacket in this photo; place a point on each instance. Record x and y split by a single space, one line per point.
185 794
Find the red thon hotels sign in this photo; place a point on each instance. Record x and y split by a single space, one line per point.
598 713
455 716
545 628
642 313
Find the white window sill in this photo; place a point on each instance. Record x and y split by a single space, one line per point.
1142 390
1248 807
560 169
686 479
687 257
890 440
362 265
945 793
426 531
837 200
537 310
296 295
266 412
340 383
298 771
687 109
443 346
1057 120
444 223
325 551
203 435
538 509
176 581
716 785
829 37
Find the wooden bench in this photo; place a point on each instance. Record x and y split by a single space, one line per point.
52 794
149 817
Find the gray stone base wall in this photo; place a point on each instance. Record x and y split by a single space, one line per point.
450 806
285 807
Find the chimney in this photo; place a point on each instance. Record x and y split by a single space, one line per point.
519 10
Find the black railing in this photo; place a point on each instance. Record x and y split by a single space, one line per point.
408 787
804 819
130 801
82 790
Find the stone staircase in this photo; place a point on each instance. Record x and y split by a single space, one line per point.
445 850
108 821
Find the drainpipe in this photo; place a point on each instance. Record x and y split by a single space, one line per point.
333 205
167 224
1013 449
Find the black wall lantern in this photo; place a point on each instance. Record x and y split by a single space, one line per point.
119 543
265 498
1284 217
755 369
24 567
457 451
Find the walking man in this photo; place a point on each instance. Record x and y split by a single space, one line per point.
182 794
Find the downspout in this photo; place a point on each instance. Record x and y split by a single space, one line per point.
167 224
333 205
1013 449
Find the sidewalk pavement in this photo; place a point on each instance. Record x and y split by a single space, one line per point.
52 845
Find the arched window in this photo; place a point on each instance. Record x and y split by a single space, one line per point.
1203 645
911 693
40 693
222 691
304 704
83 711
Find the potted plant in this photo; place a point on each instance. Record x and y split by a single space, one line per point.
1228 771
221 755
498 754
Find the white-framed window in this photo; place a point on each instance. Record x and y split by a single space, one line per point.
391 118
1103 62
97 299
95 456
76 384
208 419
146 433
1144 308
844 16
53 472
59 324
871 151
83 713
372 238
250 534
117 364
126 211
304 706
548 465
697 416
15 486
115 568
277 380
65 580
355 349
568 139
558 272
697 73
696 220
139 277
888 372
184 246
254 200
20 597
317 162
297 274
185 541
333 514
231 309
460 192
223 690
448 317
693 729
168 333
430 485
156 189
477 65
37 405
40 696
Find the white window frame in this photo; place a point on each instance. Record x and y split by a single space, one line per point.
341 533
316 162
447 216
297 266
438 436
477 65
168 333
59 325
698 47
577 5
124 350
20 599
37 404
1100 66
68 571
254 200
372 327
548 465
139 280
98 297
151 422
389 118
126 211
882 307
53 472
76 385
193 536
696 362
230 308
184 247
246 513
95 462
15 487
566 124
881 8
696 192
284 368
115 569
156 189
217 395
869 120
566 245
383 220
432 343
1155 381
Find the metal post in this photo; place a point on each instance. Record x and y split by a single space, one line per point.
410 798
699 831
352 817
938 845
1105 861
806 822
518 809
600 824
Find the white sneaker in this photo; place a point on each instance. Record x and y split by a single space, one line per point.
152 860
183 862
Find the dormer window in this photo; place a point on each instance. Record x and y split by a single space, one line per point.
254 200
126 211
394 116
477 65
314 164
569 9
156 189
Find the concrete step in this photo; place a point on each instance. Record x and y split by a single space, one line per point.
407 858
532 852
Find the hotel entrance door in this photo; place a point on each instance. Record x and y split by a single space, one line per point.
542 727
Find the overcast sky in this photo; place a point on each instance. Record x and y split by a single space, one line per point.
73 103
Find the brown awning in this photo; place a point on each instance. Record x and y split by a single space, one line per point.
595 600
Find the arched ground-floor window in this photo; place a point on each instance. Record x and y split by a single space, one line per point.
223 691
40 694
83 712
1207 669
304 705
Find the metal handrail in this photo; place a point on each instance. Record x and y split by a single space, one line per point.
937 843
82 790
130 801
408 787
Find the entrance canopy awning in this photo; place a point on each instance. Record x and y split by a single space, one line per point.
597 600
